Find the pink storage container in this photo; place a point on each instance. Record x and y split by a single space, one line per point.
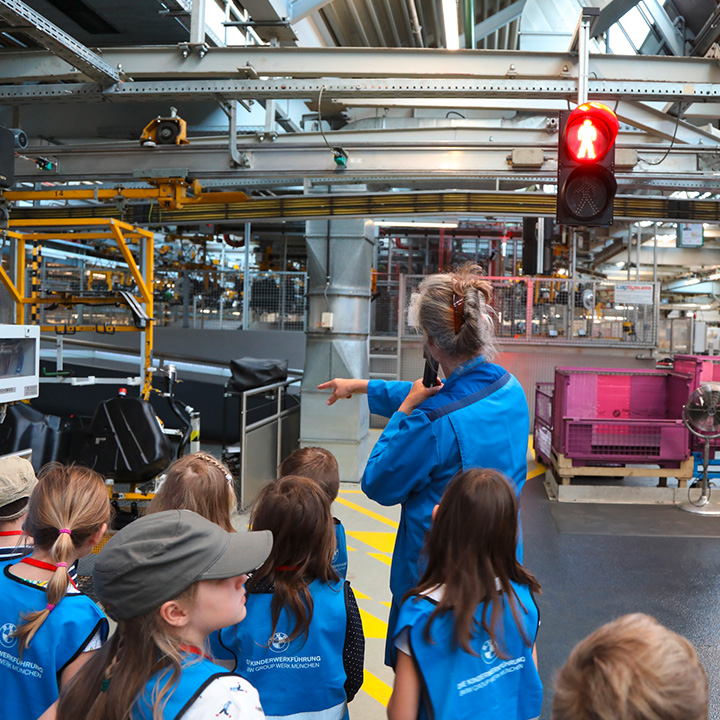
542 429
620 416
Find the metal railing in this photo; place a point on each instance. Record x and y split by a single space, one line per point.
264 442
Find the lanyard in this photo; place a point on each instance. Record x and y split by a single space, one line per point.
7 533
44 566
194 650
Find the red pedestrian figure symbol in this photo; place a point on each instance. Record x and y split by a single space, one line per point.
587 135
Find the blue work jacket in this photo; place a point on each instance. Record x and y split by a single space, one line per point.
479 419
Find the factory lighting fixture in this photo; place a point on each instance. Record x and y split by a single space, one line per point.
714 276
450 19
412 223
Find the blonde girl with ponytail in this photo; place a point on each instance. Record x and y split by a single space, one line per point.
48 629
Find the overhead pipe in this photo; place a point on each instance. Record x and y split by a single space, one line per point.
470 24
415 23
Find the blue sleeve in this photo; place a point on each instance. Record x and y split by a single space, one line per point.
403 459
385 397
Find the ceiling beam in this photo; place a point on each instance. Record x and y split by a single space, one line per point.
57 41
168 63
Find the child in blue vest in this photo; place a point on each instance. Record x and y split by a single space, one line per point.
48 629
320 465
465 636
169 580
302 644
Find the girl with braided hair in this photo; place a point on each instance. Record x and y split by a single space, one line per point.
477 417
48 629
201 483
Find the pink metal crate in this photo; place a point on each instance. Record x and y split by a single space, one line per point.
702 369
611 416
542 429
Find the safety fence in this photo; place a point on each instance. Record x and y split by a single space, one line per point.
199 299
558 311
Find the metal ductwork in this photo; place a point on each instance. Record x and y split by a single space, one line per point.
339 257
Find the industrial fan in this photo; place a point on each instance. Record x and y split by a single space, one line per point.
701 415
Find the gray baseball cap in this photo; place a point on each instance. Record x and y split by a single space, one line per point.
157 557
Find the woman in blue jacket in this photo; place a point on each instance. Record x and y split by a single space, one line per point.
478 417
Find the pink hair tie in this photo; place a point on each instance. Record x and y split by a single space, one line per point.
50 607
61 564
64 530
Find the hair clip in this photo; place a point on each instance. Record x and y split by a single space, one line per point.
61 564
50 607
105 684
458 306
64 530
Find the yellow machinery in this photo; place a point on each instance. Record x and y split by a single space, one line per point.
165 131
92 229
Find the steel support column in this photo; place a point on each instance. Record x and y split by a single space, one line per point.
339 266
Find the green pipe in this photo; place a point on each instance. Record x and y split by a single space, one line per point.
470 24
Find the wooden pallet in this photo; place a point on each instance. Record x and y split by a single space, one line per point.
564 471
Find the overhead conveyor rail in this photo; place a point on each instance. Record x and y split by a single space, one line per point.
303 207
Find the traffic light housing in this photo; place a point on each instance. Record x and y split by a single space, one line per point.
586 165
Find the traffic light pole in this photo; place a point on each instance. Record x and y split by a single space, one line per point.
589 15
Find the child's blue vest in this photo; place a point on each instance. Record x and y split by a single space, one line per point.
196 675
340 559
29 685
304 678
459 686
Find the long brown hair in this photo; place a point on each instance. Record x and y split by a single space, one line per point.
201 483
298 513
471 550
109 686
70 498
315 463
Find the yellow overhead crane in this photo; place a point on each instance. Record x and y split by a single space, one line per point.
97 229
169 193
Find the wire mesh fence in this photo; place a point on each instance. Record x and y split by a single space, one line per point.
577 312
201 299
219 300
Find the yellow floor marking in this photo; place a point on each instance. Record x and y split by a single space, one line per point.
373 627
352 492
382 558
386 603
369 513
539 470
382 541
531 445
376 688
360 595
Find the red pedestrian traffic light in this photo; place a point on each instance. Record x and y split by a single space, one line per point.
586 164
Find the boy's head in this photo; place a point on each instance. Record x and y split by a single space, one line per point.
317 464
632 669
17 482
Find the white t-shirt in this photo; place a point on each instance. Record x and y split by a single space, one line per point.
226 697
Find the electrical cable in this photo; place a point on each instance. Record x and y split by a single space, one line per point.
322 89
672 142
